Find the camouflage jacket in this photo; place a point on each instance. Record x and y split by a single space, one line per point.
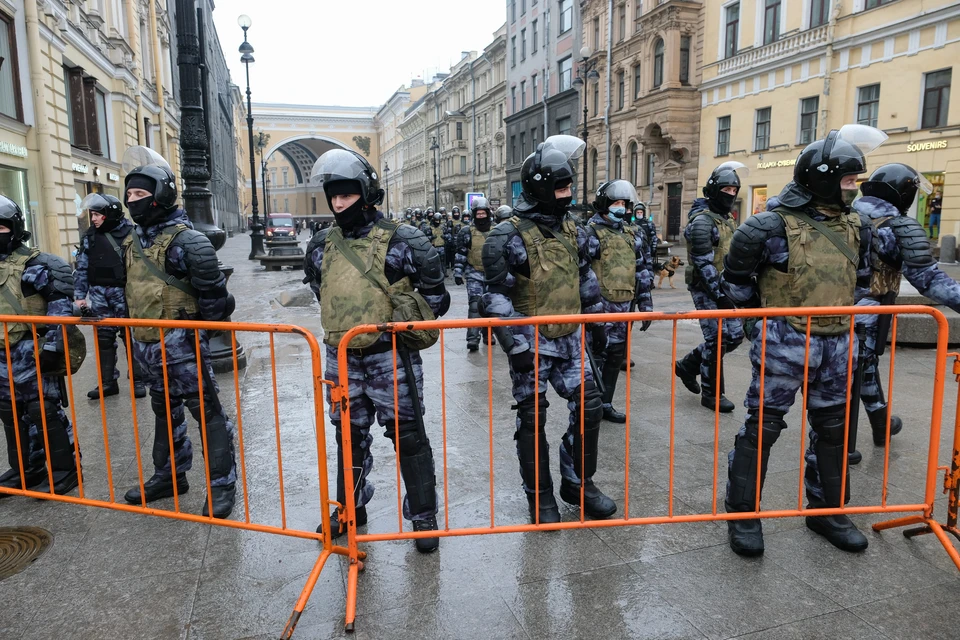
644 277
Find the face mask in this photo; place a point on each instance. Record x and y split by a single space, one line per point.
482 224
351 217
848 196
617 212
561 204
725 201
142 211
5 238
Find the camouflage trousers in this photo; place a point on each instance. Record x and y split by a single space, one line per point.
706 352
108 302
871 390
616 332
371 397
473 279
563 372
183 386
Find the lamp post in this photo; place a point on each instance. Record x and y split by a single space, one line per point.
436 191
256 229
386 181
586 73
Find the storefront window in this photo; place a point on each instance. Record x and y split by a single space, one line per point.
759 200
928 206
13 184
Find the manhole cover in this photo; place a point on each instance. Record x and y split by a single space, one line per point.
20 546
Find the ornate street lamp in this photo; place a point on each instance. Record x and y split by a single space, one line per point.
256 229
586 73
386 182
436 190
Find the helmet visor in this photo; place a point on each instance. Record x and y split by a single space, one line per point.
337 164
621 190
864 138
732 165
570 146
923 184
93 202
139 156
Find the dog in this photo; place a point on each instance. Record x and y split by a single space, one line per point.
667 270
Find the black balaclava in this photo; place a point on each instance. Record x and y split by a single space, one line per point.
6 238
144 211
482 224
722 203
353 216
560 205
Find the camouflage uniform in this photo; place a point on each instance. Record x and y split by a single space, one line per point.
183 376
46 288
702 276
371 369
451 236
469 266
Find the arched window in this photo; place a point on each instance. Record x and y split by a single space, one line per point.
658 63
594 167
617 163
634 166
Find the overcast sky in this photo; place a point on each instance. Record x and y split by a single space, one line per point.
350 52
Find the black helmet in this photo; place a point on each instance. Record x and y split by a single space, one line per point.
550 167
504 212
455 209
142 163
417 213
897 184
610 192
342 166
725 175
11 216
107 205
640 207
823 164
443 209
437 218
477 204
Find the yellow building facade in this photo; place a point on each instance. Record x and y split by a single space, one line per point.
778 75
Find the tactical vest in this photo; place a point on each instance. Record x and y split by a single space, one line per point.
553 287
348 299
474 256
883 277
11 272
616 268
105 266
726 228
818 274
148 296
438 240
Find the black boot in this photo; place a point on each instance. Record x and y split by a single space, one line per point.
33 475
223 498
139 390
615 356
419 480
838 530
584 454
878 424
157 488
623 367
136 375
110 388
595 503
63 462
534 455
746 536
708 392
687 369
426 545
338 528
108 364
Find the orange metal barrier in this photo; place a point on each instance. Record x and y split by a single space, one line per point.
263 517
923 511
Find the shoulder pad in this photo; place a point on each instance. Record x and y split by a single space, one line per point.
319 238
701 235
495 267
748 241
199 255
425 256
913 241
61 275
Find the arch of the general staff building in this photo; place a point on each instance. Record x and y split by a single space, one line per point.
295 136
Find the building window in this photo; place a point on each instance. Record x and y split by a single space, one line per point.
523 144
459 131
536 89
731 31
523 94
761 137
523 44
936 99
523 7
658 64
87 130
284 176
286 204
463 164
596 99
596 34
873 4
636 82
808 119
533 44
500 114
684 59
102 124
10 104
566 72
868 105
651 168
513 148
771 21
621 90
819 12
563 126
639 4
723 136
513 10
513 99
566 16
623 22
513 51
634 163
533 138
617 163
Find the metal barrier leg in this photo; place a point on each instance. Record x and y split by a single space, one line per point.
304 596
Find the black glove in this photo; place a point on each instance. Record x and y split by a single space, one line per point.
522 362
598 338
645 325
51 361
723 302
457 279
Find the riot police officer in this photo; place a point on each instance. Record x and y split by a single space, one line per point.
348 297
164 245
408 216
438 239
645 222
35 284
900 246
532 266
708 234
621 261
504 212
451 234
809 251
98 285
469 264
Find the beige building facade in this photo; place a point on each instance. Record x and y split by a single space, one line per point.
643 115
778 75
388 121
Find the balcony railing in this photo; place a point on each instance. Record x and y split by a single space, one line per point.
785 47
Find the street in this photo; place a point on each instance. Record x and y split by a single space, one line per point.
111 574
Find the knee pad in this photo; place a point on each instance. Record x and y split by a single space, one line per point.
6 407
592 403
411 443
617 350
829 424
474 309
732 344
773 424
106 339
36 413
528 413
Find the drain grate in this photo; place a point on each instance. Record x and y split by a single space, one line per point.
20 547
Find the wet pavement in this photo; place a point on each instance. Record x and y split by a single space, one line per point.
112 574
